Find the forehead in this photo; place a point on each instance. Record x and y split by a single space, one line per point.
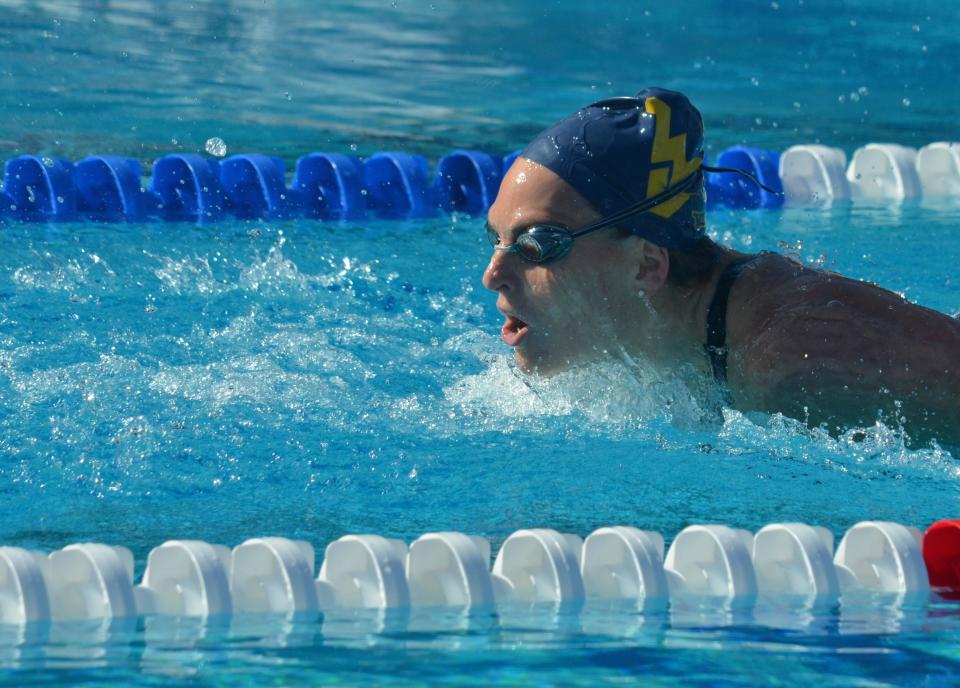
531 193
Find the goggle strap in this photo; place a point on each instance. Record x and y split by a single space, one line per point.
653 201
742 173
642 206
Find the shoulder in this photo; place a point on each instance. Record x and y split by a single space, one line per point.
794 328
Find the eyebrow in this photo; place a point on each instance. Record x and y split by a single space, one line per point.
516 231
511 234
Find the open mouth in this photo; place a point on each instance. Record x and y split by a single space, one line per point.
513 331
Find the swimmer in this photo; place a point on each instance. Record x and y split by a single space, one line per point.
600 251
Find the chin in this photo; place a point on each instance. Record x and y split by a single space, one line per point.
544 366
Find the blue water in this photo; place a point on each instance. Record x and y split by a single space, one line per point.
310 380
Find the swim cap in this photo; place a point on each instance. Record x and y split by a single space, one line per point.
620 151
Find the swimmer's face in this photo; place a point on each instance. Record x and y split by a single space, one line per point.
568 311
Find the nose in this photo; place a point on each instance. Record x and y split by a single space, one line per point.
500 275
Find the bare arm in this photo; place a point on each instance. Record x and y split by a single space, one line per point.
820 347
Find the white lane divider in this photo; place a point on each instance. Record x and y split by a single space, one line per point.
276 575
795 559
452 570
814 174
90 581
938 165
817 174
623 563
541 565
884 171
713 561
23 592
885 557
366 571
186 578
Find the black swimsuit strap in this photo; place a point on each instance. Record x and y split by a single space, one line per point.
716 347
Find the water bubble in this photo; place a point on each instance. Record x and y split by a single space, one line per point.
353 147
286 94
916 28
48 161
853 22
61 200
755 81
174 142
863 91
906 102
855 97
31 195
216 147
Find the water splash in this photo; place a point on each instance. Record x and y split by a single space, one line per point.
216 147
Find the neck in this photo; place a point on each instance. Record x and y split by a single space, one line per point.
673 331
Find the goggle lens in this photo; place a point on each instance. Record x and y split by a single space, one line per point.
493 237
529 248
539 244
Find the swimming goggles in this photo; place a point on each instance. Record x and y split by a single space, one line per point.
543 243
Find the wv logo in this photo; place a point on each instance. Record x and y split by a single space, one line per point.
669 159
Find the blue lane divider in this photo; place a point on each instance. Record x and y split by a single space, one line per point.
396 185
254 186
330 185
39 188
736 192
467 181
189 187
108 189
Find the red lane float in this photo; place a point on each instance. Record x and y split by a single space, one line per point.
941 554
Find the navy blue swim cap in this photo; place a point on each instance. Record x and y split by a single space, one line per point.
620 151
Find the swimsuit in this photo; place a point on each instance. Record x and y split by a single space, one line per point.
716 346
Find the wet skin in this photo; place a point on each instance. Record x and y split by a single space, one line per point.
807 343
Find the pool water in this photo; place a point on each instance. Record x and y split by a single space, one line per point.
310 379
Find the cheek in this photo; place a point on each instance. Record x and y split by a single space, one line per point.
568 293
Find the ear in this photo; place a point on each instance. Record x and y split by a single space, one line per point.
652 266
